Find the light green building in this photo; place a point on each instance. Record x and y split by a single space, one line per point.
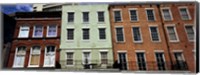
85 37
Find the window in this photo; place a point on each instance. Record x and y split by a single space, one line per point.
166 14
117 16
104 58
141 61
120 35
100 16
52 31
172 33
70 16
34 56
136 34
102 33
49 58
154 33
190 32
150 15
180 62
70 34
70 58
184 14
86 57
38 31
160 61
86 35
85 16
19 56
24 31
133 15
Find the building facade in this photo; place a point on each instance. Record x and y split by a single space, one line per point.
144 36
85 37
36 40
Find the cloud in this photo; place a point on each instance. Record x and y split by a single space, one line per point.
9 9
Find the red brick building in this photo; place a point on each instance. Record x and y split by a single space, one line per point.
140 36
36 40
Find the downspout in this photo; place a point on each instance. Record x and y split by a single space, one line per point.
165 35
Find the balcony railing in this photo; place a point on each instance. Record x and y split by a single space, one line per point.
130 65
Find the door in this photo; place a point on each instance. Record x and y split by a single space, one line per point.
160 61
122 61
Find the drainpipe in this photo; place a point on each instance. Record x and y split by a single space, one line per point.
165 35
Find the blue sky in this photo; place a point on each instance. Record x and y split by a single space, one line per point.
9 9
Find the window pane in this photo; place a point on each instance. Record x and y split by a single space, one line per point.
102 33
19 60
52 30
85 16
24 31
70 34
166 14
85 34
35 60
133 15
69 58
38 31
190 32
50 56
101 16
154 34
104 58
120 36
136 33
117 16
150 15
172 34
70 16
184 14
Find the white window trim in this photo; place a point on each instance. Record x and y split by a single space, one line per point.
140 34
153 13
141 51
163 56
71 11
186 31
30 56
123 51
100 55
20 31
116 34
136 14
85 40
105 34
14 66
98 16
84 57
188 13
67 35
44 65
172 25
179 51
169 13
48 31
34 32
71 51
157 32
120 14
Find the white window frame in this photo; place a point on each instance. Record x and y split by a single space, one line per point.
141 51
186 31
120 14
116 34
157 32
136 14
44 65
188 13
17 66
172 25
67 34
34 32
140 34
30 56
48 31
21 31
169 13
153 13
69 51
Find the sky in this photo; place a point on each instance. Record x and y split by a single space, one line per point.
9 9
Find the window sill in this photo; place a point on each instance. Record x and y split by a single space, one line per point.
22 37
51 36
156 41
174 41
30 66
101 23
137 42
37 37
120 42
